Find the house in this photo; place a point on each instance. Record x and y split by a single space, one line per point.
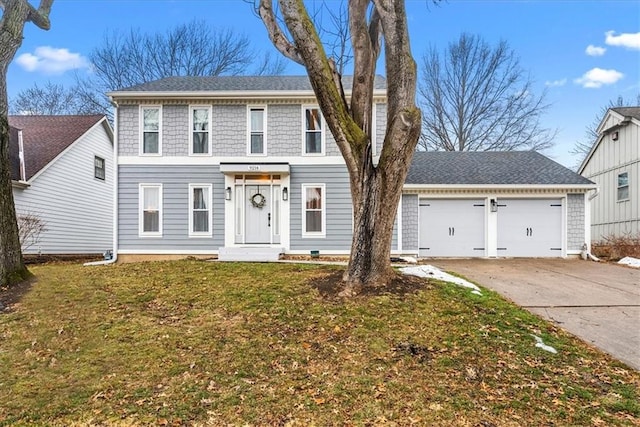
241 166
62 173
614 165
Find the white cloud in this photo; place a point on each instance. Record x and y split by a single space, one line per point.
50 60
597 77
555 83
595 50
628 40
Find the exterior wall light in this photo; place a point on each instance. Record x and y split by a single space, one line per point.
285 194
227 193
494 205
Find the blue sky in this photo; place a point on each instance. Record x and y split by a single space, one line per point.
584 53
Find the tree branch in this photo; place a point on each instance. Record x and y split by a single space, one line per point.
276 35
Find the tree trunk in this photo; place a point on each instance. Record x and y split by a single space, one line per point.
15 14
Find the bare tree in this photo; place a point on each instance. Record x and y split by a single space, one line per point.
15 13
30 229
375 189
582 148
477 98
52 99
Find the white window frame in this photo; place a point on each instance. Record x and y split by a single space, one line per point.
264 129
314 234
191 130
619 187
141 129
209 199
323 132
141 190
96 169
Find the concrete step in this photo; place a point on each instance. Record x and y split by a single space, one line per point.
250 254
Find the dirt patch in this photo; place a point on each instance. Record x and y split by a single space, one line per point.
331 285
12 295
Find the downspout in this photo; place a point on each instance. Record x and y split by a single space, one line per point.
114 254
586 249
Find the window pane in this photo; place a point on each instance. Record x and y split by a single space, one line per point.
623 193
257 120
623 179
150 142
201 221
151 119
151 221
200 119
314 221
200 145
257 144
314 142
151 199
314 198
313 119
198 199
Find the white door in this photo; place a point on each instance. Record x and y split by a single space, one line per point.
530 227
257 214
452 228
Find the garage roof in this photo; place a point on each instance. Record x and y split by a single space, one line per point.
487 167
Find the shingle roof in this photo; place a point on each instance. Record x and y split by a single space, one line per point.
235 83
44 137
628 111
488 167
14 154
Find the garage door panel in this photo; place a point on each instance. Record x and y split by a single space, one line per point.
530 227
451 228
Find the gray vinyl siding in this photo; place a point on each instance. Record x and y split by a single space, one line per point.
128 130
575 222
175 130
229 129
381 126
284 130
175 182
610 217
338 207
410 220
76 207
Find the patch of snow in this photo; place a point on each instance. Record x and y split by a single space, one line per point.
542 345
630 261
409 259
429 271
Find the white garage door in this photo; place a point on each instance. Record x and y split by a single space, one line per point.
452 228
530 227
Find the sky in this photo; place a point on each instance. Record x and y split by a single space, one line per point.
584 54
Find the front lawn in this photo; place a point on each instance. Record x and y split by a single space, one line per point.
204 343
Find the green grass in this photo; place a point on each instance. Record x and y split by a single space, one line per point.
201 343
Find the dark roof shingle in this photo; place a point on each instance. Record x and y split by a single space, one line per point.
44 137
628 111
489 168
235 83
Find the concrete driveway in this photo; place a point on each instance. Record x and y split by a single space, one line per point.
598 302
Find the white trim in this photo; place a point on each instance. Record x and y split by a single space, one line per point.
323 210
489 187
141 130
141 232
323 131
167 252
374 130
212 161
251 107
618 187
228 94
399 221
209 200
587 220
23 172
209 109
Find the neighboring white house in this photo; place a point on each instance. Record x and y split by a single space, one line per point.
62 173
614 165
238 166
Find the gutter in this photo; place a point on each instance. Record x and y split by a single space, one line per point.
595 193
114 253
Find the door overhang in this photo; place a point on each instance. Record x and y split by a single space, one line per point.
270 168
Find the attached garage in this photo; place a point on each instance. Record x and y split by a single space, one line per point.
493 204
530 228
452 227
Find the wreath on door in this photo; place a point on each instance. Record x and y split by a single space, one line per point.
258 200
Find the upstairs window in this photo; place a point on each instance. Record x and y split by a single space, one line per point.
150 214
313 135
200 123
257 126
200 210
151 125
98 168
623 186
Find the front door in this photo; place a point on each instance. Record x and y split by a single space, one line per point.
257 214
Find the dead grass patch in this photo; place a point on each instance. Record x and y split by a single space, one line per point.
201 343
